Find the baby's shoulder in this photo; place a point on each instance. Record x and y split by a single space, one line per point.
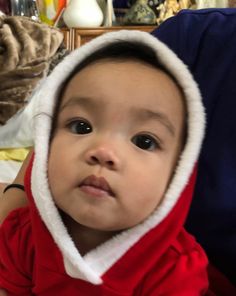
182 270
17 221
16 243
17 251
15 231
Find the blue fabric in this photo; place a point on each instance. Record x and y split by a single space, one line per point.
120 3
206 41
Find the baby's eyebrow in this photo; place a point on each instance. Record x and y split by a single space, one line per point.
141 114
146 115
81 101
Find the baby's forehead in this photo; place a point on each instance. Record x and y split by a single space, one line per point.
106 74
145 91
104 60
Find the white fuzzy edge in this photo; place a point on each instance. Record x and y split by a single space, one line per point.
94 264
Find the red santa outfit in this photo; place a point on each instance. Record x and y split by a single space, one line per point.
156 257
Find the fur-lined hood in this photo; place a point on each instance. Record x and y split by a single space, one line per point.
173 209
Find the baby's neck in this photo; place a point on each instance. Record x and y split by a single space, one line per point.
85 238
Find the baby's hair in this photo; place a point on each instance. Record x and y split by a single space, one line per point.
120 51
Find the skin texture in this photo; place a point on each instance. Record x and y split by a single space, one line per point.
3 293
121 122
2 186
14 198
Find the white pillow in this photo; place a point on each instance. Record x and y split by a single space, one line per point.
18 130
9 170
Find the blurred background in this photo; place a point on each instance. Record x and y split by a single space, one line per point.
50 11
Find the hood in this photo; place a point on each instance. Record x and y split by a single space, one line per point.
171 212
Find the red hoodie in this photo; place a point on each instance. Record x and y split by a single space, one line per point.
156 257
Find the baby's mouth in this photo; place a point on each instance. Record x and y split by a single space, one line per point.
97 186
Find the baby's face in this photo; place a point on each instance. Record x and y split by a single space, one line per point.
117 140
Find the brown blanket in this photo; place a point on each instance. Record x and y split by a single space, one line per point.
27 49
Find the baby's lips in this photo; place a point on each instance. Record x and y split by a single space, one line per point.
98 182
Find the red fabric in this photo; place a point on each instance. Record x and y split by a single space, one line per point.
15 236
166 261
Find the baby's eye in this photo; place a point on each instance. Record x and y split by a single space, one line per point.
145 142
80 126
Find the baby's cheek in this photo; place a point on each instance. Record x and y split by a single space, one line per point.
148 195
54 172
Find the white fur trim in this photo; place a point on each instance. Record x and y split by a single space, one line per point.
92 266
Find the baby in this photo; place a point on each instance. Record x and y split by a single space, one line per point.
118 130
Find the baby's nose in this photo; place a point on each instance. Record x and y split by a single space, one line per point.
103 156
